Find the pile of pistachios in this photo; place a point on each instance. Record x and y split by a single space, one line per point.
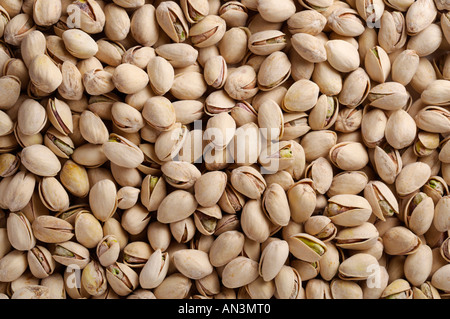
208 149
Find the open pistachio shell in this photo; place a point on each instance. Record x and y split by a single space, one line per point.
348 210
381 199
306 247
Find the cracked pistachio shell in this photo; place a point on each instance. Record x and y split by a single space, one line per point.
441 214
288 283
135 219
301 96
425 143
227 246
122 278
399 240
110 52
231 201
360 237
275 205
218 101
71 253
19 191
382 199
192 263
411 178
437 93
216 71
320 172
169 143
88 230
126 117
317 289
398 289
274 71
392 35
60 115
388 162
373 126
433 119
355 88
179 55
44 74
348 182
309 47
103 199
9 164
258 289
324 113
248 181
92 18
209 31
53 195
176 206
188 111
267 42
440 279
358 267
342 56
183 230
328 264
320 227
153 191
51 229
117 24
306 21
239 272
241 84
405 66
155 270
295 125
32 291
234 13
175 286
93 278
123 152
20 234
159 113
137 253
401 129
348 210
98 82
377 64
31 117
351 156
417 267
129 78
400 5
255 225
389 96
272 259
92 128
71 87
40 262
306 247
418 213
271 120
18 28
209 187
80 44
161 74
182 175
205 219
436 187
302 200
13 265
139 56
346 22
426 291
327 78
170 18
40 160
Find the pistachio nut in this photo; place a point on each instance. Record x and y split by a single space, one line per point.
361 237
324 114
306 247
272 259
60 115
159 113
418 213
92 18
52 194
248 181
88 230
440 220
239 272
302 200
255 225
129 78
153 191
377 64
241 84
400 240
357 267
388 96
209 187
398 289
406 184
19 231
382 200
320 227
51 229
103 199
348 210
122 151
436 188
136 254
40 262
433 119
174 286
71 253
192 263
425 291
93 278
122 279
171 19
275 205
154 270
274 71
180 199
74 178
135 219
